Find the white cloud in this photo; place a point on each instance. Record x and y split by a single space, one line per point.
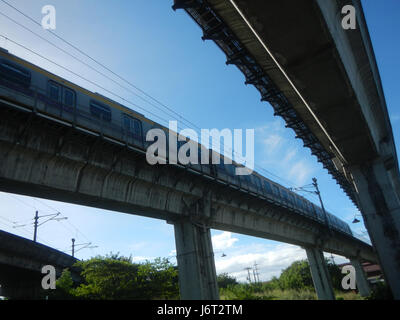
142 259
223 241
272 142
300 172
289 155
270 261
277 151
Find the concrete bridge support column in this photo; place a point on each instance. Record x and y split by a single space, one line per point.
362 283
320 274
197 275
381 214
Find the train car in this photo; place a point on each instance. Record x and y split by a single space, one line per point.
26 84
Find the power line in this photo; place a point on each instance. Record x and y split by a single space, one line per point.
81 77
59 211
74 73
97 62
7 220
20 200
10 226
14 224
61 222
24 230
121 78
94 60
89 66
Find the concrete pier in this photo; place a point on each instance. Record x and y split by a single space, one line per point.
197 275
320 274
362 282
381 212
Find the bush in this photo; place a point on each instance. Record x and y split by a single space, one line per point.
224 280
118 278
297 276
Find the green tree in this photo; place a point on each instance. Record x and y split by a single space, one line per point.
224 280
336 275
107 278
296 276
158 279
113 277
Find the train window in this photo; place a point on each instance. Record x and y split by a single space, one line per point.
267 187
100 111
320 213
291 198
275 190
249 184
69 97
54 91
284 194
258 182
299 203
15 72
133 126
306 205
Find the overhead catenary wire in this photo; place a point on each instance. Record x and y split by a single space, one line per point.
23 230
124 80
76 230
90 67
99 86
81 77
10 226
94 60
22 225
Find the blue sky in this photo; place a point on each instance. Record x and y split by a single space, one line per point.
161 52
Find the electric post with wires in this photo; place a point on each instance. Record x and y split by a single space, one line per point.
248 271
314 184
84 246
36 224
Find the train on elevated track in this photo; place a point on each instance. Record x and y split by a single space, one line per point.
23 83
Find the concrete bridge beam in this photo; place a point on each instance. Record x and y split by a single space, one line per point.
362 283
381 214
320 274
197 275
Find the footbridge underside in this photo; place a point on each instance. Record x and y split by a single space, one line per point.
323 80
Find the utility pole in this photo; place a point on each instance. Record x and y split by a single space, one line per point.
317 192
256 272
73 247
36 222
254 275
84 246
248 271
35 226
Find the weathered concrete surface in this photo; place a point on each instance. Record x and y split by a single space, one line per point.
327 73
21 263
44 159
197 275
320 275
362 282
381 213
